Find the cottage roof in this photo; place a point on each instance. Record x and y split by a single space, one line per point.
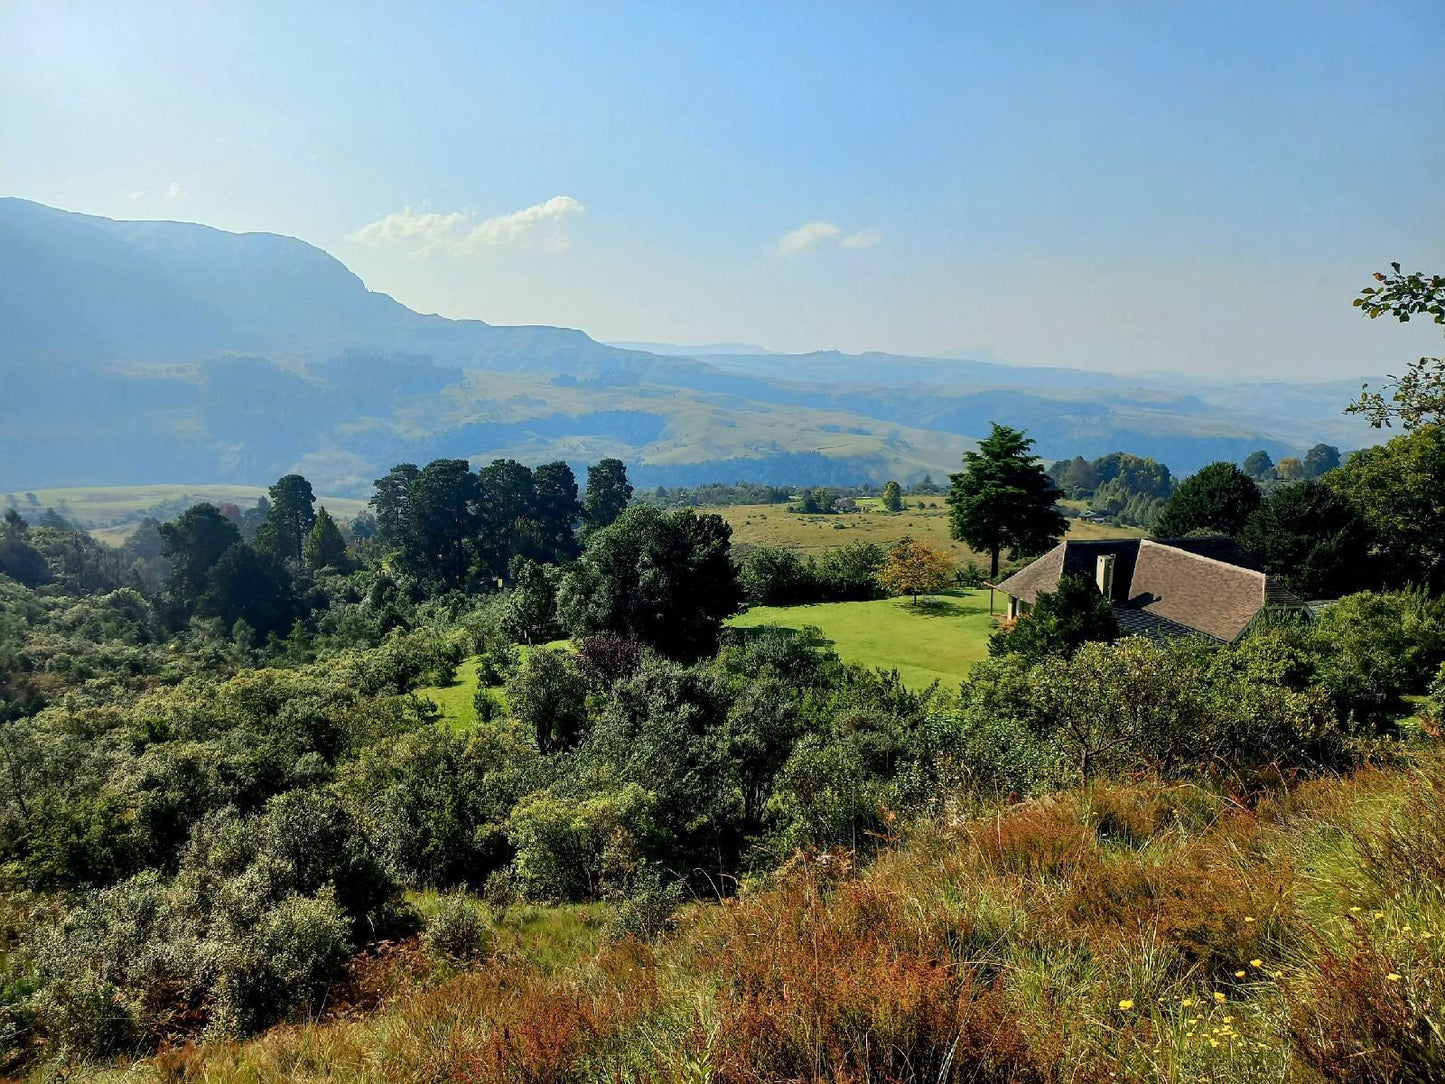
1167 587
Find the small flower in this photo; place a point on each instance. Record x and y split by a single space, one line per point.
1218 997
1127 1004
1249 918
1188 1003
1256 963
1393 977
1354 910
1239 974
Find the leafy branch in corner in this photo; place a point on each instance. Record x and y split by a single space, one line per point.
1416 398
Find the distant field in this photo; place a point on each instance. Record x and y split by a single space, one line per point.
774 525
123 505
923 643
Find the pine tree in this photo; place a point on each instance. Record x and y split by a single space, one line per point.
1004 499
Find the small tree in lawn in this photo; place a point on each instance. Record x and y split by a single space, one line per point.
1004 499
893 497
914 568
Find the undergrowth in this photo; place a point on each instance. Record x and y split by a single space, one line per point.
1140 932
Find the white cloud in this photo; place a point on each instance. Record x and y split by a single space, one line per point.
864 238
459 232
174 191
806 236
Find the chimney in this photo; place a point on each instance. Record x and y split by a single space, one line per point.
1104 574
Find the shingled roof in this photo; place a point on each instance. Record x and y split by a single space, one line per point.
1208 586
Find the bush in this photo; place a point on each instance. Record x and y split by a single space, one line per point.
548 696
774 576
458 929
581 849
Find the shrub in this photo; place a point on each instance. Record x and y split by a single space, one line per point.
578 849
458 929
774 576
548 696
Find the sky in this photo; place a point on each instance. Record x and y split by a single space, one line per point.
1126 186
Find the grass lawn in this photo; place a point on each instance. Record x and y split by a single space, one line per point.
774 525
923 643
457 700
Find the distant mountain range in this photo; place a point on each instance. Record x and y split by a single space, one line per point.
136 352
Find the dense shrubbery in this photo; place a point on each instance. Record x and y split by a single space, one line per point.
776 576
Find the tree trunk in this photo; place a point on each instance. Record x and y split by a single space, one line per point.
993 565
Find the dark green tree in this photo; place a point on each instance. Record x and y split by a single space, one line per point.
1003 499
665 578
1314 538
441 523
1081 478
530 615
1321 459
557 511
1060 622
548 696
324 546
20 560
289 519
193 543
1259 466
393 492
507 515
1221 498
250 586
893 497
608 492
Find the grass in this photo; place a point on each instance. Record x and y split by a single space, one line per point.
774 525
1144 931
924 643
457 700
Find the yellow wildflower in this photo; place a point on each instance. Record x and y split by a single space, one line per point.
1239 974
1127 1004
1218 996
1393 977
1256 963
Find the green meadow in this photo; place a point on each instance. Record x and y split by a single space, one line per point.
934 641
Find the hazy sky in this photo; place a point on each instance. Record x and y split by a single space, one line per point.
1130 186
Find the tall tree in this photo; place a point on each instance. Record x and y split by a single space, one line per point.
893 497
290 518
1221 497
193 542
1417 398
608 492
442 523
18 558
1290 469
324 548
1321 459
557 510
1003 499
393 491
508 516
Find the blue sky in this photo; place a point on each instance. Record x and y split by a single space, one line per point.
1113 185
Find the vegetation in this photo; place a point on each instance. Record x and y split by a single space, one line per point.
1220 498
1003 499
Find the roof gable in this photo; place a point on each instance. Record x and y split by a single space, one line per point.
1201 592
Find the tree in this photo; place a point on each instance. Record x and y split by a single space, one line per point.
1397 489
1081 478
548 696
1321 459
558 511
20 560
1417 398
914 568
1060 622
324 547
531 610
893 497
608 492
1221 497
393 491
251 587
506 515
1259 466
1004 499
1314 538
289 519
193 543
440 523
665 578
1290 469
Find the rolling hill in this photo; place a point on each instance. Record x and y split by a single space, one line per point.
147 352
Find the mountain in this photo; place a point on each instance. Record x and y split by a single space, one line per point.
141 352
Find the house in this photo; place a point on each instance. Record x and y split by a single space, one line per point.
845 504
1208 587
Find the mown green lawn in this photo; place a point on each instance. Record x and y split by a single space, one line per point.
924 643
